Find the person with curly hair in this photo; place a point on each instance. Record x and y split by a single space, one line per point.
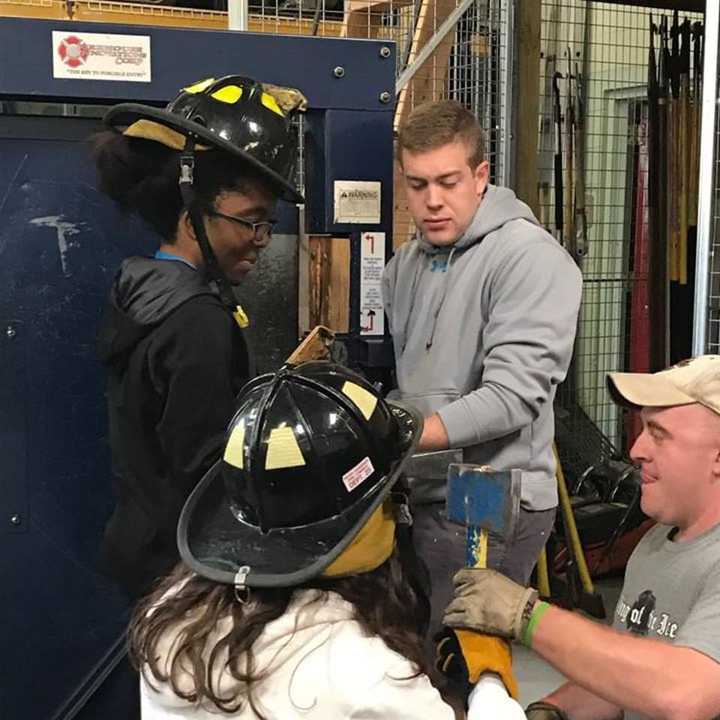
297 596
205 175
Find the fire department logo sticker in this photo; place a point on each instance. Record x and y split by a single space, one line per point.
73 51
101 56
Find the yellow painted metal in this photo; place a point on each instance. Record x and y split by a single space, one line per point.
576 548
543 576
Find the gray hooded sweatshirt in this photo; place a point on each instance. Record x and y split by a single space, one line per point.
483 333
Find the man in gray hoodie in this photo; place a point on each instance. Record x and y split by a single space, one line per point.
482 306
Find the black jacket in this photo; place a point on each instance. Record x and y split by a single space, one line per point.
176 359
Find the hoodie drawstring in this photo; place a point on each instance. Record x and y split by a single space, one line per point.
419 267
429 341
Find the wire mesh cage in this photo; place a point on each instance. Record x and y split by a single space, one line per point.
713 315
460 51
594 67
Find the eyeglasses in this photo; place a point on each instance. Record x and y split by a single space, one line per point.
261 231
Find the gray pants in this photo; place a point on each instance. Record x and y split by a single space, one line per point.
441 545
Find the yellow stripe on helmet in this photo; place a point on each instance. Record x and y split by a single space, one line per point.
271 104
230 94
198 87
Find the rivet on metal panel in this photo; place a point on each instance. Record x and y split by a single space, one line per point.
385 97
339 71
384 51
15 519
10 332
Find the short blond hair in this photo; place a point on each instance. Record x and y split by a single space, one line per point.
435 124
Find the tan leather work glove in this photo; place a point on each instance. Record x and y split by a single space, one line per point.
464 656
488 602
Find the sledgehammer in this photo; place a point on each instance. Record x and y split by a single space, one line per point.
485 501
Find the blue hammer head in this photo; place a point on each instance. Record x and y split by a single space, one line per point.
483 498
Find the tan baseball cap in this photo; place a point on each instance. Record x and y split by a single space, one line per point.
690 381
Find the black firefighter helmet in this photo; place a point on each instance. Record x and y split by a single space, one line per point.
233 113
310 454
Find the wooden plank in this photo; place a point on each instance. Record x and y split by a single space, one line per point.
34 10
527 91
130 13
303 297
363 18
293 26
359 22
338 308
330 282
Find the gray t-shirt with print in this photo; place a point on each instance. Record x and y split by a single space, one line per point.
672 592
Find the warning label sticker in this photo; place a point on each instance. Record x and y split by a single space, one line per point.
358 475
357 201
372 262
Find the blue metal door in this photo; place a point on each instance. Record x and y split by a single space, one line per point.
60 244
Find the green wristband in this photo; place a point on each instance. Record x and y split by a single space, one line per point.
539 610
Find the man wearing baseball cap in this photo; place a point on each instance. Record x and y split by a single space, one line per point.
661 658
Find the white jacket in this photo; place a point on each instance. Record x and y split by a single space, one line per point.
322 666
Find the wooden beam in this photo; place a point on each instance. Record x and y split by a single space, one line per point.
528 92
363 18
330 282
41 11
132 13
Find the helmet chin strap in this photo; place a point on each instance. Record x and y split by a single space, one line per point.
212 267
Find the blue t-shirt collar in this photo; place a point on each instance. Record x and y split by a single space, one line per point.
162 255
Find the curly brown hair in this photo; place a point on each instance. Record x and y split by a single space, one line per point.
141 176
196 606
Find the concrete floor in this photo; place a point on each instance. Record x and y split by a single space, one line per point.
535 677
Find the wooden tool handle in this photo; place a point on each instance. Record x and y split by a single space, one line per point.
477 547
316 346
477 540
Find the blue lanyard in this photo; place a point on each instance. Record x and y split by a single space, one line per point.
162 255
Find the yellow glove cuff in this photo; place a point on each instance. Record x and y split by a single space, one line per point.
485 653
